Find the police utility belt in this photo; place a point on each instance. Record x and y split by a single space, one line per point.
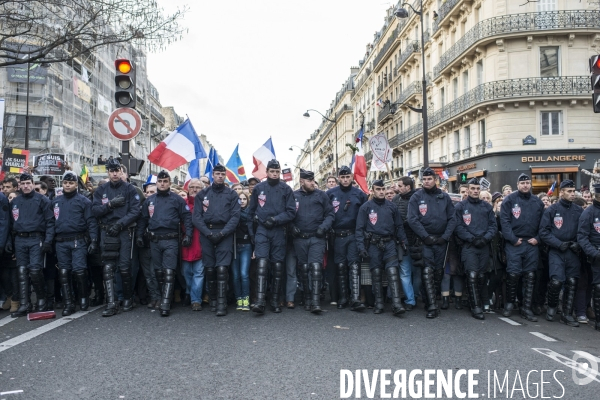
68 238
215 226
29 234
306 235
154 237
344 232
378 240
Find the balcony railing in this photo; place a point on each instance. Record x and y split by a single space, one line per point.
527 22
480 148
368 156
386 47
443 12
395 141
385 113
456 156
466 153
412 46
443 158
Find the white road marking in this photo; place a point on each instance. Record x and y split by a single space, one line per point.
508 320
43 329
542 336
581 368
587 355
11 392
6 320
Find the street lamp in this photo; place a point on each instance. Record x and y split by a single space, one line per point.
403 13
305 152
333 121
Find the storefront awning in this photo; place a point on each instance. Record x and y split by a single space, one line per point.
476 174
554 169
451 178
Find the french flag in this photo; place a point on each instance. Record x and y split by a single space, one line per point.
180 147
551 191
192 172
359 165
261 158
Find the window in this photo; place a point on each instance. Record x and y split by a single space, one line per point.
455 88
551 123
456 141
443 152
467 137
546 5
479 68
465 79
443 97
409 158
482 131
549 61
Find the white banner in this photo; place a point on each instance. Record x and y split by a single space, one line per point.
382 154
1 121
104 104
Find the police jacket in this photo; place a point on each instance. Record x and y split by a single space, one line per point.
162 212
402 200
216 205
559 223
379 217
4 220
126 215
588 234
242 233
272 198
313 211
346 202
475 218
31 213
520 216
73 215
431 212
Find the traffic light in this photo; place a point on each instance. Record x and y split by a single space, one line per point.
595 70
461 177
125 83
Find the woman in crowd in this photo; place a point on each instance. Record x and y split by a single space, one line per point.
545 199
241 263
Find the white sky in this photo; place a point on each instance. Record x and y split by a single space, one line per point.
248 70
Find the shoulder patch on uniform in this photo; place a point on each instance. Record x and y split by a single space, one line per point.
187 207
137 196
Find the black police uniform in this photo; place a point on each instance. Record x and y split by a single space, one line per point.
346 202
7 273
432 217
558 229
4 222
314 217
588 237
379 227
271 207
216 216
74 226
117 208
475 227
161 214
32 225
520 217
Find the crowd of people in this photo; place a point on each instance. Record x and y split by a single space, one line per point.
255 244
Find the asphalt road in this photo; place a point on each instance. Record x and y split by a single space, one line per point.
295 354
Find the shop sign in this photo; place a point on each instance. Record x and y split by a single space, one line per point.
466 167
553 158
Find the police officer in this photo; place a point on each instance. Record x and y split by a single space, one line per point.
346 201
161 214
74 225
272 207
432 217
216 216
379 227
520 218
117 206
32 225
314 217
475 227
588 237
558 229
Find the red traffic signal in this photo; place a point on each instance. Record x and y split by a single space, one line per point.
123 66
125 83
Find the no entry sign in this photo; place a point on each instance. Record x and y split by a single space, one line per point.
124 123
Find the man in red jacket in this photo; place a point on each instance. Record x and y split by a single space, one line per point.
193 269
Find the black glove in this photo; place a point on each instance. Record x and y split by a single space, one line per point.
575 247
364 254
478 242
117 202
428 240
114 230
440 240
320 233
93 247
139 241
564 246
270 223
295 231
9 246
187 241
47 248
216 238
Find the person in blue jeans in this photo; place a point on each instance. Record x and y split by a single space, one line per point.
240 268
191 257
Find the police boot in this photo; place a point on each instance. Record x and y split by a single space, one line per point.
167 292
445 303
305 286
568 297
356 304
394 285
64 276
49 285
127 288
39 285
554 287
428 282
377 280
222 278
512 281
262 271
317 280
474 295
342 282
211 282
277 269
528 283
112 305
81 277
596 296
24 304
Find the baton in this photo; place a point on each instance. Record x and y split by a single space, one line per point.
234 247
446 256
